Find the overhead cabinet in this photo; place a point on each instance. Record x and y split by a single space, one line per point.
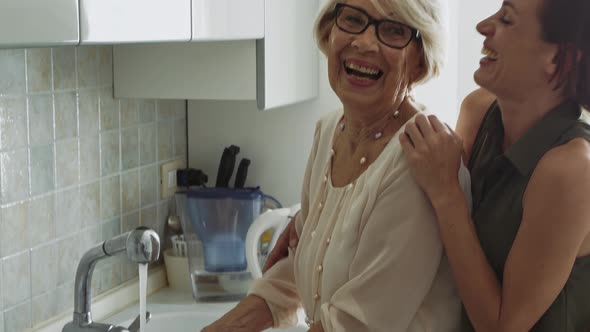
134 21
32 23
277 68
227 19
260 50
149 21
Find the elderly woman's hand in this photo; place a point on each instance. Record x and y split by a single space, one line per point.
287 239
251 314
434 153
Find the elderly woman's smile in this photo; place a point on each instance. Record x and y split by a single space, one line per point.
374 58
362 70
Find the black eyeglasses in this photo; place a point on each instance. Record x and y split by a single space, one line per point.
391 33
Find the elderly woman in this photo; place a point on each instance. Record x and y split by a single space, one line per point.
369 256
522 258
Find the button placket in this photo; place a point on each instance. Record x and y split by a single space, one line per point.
320 268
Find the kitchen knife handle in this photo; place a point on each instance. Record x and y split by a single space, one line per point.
222 169
233 152
226 166
242 173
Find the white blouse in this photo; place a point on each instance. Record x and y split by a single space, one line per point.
369 256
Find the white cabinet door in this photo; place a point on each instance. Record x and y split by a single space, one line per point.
227 19
287 57
277 70
134 21
38 23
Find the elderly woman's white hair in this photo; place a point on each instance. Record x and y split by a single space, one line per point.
426 16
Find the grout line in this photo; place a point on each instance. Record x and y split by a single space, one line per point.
30 179
40 93
89 182
120 170
170 121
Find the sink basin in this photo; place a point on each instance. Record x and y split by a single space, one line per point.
189 321
177 311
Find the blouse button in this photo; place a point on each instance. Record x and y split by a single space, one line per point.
321 205
316 296
325 178
313 234
320 268
331 152
328 240
350 186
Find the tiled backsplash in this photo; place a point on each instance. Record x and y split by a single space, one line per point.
76 167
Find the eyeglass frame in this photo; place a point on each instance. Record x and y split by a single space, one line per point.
373 21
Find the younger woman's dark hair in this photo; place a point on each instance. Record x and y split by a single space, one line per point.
567 24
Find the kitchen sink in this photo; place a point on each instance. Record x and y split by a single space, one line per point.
188 321
177 311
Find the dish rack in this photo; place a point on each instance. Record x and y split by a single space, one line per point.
179 246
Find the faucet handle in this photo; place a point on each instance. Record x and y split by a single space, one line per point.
134 327
143 245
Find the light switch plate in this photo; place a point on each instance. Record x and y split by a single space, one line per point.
168 177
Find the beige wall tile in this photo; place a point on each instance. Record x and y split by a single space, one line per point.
39 69
16 279
12 67
13 127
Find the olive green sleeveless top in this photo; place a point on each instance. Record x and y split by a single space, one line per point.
499 180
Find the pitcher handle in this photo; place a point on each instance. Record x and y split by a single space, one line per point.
275 201
269 219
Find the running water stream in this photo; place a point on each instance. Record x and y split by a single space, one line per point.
142 296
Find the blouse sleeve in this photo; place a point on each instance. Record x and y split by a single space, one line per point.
395 264
277 286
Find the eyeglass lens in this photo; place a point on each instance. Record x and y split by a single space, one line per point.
390 33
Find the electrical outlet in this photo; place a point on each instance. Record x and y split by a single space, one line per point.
168 176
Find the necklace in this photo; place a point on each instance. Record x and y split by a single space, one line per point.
376 135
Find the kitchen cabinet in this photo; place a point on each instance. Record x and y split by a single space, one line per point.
134 21
227 19
30 23
277 70
149 21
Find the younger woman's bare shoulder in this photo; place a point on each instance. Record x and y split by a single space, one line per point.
570 160
473 110
478 101
561 181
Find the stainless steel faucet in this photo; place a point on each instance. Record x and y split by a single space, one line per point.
142 246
